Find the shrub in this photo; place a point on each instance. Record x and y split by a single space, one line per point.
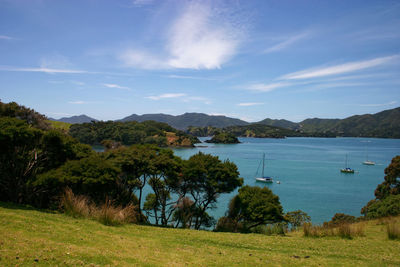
110 215
344 231
107 214
393 229
75 206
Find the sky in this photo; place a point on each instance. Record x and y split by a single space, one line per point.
246 59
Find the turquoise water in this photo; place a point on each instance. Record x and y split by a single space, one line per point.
309 171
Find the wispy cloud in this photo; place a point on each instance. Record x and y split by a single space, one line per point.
5 37
162 96
172 76
41 69
250 104
340 69
199 38
78 102
286 43
263 87
140 3
379 105
111 85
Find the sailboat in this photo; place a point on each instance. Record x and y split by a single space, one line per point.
265 179
347 169
367 161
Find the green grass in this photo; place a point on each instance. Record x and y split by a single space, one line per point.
56 239
60 125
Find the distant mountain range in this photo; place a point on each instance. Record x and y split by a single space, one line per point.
76 119
384 124
188 119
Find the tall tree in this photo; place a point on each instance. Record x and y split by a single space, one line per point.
165 181
205 177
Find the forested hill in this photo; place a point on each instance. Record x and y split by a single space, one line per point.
76 119
280 123
385 124
188 119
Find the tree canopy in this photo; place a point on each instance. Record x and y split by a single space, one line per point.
253 206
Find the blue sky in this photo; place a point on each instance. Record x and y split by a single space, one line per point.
245 59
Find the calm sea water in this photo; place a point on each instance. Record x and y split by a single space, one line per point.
309 171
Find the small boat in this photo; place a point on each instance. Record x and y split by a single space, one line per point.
347 169
367 161
265 179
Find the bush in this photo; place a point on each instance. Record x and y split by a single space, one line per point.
393 229
75 206
107 214
389 206
344 230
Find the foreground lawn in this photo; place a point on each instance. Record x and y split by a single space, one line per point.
30 237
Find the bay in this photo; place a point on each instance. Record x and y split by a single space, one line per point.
308 170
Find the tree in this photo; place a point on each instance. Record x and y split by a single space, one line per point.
205 177
254 206
391 183
297 218
28 115
165 180
19 145
94 176
387 201
135 163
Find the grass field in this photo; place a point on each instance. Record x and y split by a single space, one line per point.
30 237
60 125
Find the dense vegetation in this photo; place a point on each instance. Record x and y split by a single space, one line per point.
129 133
251 130
385 124
223 138
387 194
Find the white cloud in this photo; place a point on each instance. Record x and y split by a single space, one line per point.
379 105
42 69
199 38
340 69
111 85
286 43
162 96
262 87
250 104
5 37
79 102
142 59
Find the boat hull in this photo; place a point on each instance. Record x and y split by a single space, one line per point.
368 162
265 179
347 170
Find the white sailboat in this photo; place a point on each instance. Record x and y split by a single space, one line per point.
265 179
367 161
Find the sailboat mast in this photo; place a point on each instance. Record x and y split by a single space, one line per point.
346 161
263 165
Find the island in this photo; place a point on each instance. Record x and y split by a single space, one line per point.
224 138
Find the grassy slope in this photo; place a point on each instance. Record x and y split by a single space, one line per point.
55 239
60 125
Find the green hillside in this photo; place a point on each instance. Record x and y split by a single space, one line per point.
30 237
